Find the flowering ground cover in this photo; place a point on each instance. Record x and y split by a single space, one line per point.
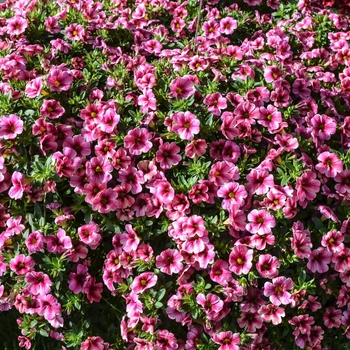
175 175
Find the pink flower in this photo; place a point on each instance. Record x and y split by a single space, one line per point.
35 242
181 87
163 190
39 283
19 185
277 290
147 101
34 87
272 73
49 307
144 281
21 264
93 290
93 343
332 317
186 125
137 141
90 234
322 126
307 186
169 261
241 259
227 340
220 272
223 172
10 127
76 280
16 25
259 181
51 109
270 117
319 260
233 194
216 103
329 164
196 148
211 304
75 32
167 155
272 313
98 169
227 25
267 266
59 80
261 222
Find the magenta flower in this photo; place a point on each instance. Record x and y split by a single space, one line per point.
39 283
181 87
163 190
227 25
19 185
272 313
216 103
277 291
93 290
49 307
270 117
169 261
35 242
16 25
34 87
10 127
211 304
93 343
167 155
59 80
21 264
98 169
90 234
322 126
267 266
272 73
233 194
307 187
261 222
332 317
51 109
76 280
241 260
137 141
186 125
227 340
147 101
75 32
259 181
329 164
319 260
144 281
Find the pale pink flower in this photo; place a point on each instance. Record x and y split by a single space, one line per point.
19 185
233 194
272 313
227 25
39 283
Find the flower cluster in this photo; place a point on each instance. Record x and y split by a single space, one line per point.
175 175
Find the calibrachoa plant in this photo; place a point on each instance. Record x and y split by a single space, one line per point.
176 175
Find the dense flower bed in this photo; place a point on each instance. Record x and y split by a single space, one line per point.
176 175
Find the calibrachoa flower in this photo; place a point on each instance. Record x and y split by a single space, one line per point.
227 340
261 222
329 164
277 291
144 281
10 127
186 125
181 87
240 260
59 80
